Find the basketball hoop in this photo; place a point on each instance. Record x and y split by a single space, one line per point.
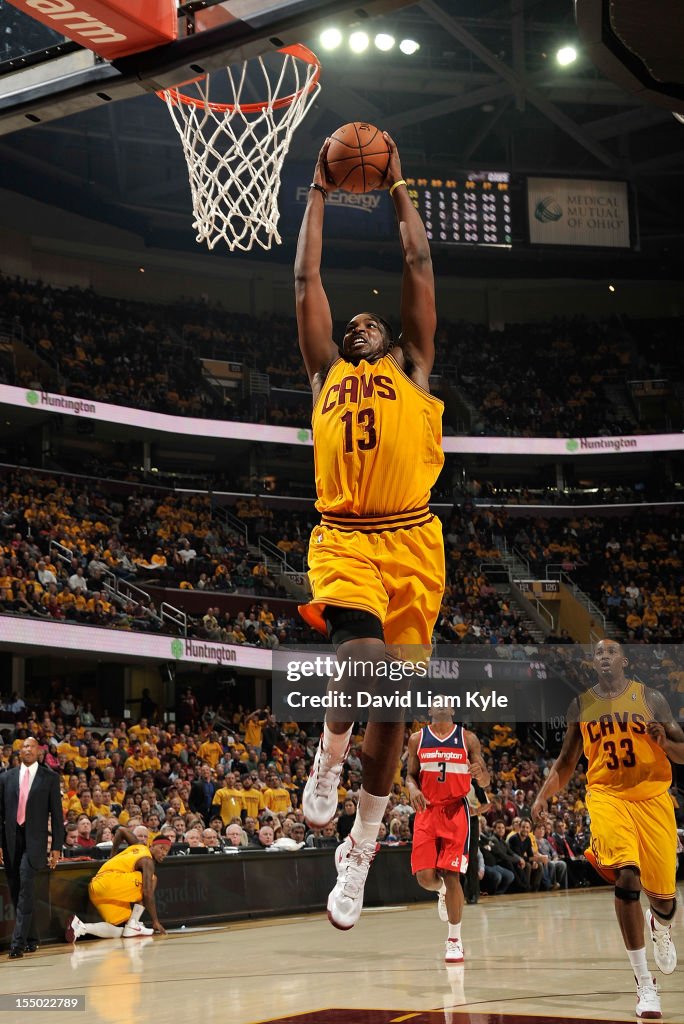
235 150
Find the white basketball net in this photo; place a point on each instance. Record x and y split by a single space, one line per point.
235 152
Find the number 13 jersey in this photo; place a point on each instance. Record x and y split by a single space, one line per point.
623 760
377 442
444 768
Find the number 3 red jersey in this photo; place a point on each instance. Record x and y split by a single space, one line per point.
444 771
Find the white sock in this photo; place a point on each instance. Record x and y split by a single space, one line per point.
336 743
658 925
637 958
369 815
455 930
103 930
136 913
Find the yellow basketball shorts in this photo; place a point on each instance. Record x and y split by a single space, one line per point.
396 574
113 892
636 833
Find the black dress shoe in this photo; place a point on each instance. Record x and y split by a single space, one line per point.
31 946
15 952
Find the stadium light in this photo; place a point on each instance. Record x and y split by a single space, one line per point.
383 41
409 46
611 287
331 38
358 42
566 55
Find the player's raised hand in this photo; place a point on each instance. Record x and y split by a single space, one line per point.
656 732
394 168
539 810
321 176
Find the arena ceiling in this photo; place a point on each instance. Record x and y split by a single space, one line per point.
484 91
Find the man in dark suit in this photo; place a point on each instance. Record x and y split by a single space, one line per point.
202 793
29 795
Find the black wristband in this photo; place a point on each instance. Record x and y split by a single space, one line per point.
319 188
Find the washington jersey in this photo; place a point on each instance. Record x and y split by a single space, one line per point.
444 769
124 862
622 759
377 442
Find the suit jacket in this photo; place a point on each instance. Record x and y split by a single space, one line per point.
198 800
44 801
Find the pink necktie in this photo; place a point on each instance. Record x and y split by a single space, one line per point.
23 797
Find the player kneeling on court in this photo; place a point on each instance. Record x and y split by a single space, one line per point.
126 878
443 759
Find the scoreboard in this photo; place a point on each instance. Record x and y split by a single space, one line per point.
472 208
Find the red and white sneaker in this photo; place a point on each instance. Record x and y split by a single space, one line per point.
648 1000
74 929
319 800
664 949
454 952
353 862
132 929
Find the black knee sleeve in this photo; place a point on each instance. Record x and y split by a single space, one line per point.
351 624
628 895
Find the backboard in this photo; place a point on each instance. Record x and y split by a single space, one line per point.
44 77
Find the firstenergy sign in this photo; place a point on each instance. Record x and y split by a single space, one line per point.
111 28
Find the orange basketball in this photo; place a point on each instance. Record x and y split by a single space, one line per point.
358 157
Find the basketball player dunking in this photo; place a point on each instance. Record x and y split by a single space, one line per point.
443 758
376 562
628 735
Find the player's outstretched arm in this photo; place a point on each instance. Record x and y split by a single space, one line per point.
564 765
478 768
121 836
418 801
663 730
418 311
314 319
146 868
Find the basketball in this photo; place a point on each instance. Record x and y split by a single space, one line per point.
358 157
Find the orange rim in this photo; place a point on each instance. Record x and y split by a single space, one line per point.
297 50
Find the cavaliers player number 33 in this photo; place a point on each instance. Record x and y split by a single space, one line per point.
628 737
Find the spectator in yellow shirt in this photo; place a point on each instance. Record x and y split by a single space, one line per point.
276 797
211 750
229 800
253 798
254 730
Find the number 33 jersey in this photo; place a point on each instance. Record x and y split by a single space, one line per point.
622 757
444 768
377 442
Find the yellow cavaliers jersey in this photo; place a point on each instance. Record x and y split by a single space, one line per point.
622 759
125 861
377 441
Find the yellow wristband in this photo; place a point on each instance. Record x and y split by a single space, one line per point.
396 185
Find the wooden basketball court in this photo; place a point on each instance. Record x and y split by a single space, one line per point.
548 957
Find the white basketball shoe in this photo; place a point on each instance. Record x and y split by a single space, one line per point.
353 862
319 800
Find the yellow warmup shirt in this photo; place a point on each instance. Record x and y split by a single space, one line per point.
124 862
622 759
229 802
211 753
253 801
277 800
377 441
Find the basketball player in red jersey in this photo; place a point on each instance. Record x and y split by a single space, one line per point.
443 758
376 562
629 739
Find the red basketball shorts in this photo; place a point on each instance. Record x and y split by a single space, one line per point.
441 836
